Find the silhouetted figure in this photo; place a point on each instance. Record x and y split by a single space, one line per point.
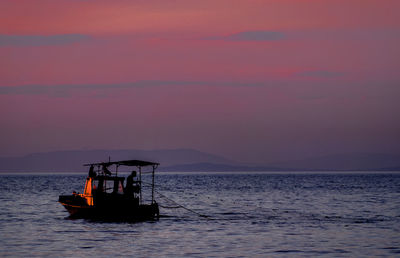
106 171
129 183
91 172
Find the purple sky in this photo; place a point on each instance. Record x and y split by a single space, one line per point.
255 81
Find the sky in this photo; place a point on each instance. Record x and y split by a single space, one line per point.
254 81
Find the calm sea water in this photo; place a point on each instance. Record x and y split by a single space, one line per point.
249 215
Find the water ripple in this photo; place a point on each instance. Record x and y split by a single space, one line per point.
246 215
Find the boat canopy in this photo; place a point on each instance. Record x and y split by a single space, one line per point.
131 163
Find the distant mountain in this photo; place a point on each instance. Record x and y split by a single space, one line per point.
192 160
348 161
205 167
72 161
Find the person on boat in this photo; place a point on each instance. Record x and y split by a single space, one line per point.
91 171
129 183
106 171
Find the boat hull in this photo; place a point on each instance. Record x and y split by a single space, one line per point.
123 209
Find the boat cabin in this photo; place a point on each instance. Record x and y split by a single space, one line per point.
106 193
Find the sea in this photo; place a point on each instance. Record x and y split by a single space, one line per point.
282 214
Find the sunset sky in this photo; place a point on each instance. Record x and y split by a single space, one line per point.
254 81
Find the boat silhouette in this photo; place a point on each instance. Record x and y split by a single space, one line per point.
106 197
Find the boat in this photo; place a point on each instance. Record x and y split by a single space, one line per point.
106 197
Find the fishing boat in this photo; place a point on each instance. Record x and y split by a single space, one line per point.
106 197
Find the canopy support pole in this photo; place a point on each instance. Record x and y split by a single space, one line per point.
152 186
140 184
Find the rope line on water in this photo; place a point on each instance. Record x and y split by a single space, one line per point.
177 204
169 207
181 206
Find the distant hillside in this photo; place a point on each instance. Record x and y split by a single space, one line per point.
72 161
192 160
205 167
348 161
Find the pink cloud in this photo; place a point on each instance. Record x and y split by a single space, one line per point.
147 78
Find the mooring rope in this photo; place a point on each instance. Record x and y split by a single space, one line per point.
181 206
177 204
169 207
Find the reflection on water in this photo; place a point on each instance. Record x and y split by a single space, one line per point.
258 214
